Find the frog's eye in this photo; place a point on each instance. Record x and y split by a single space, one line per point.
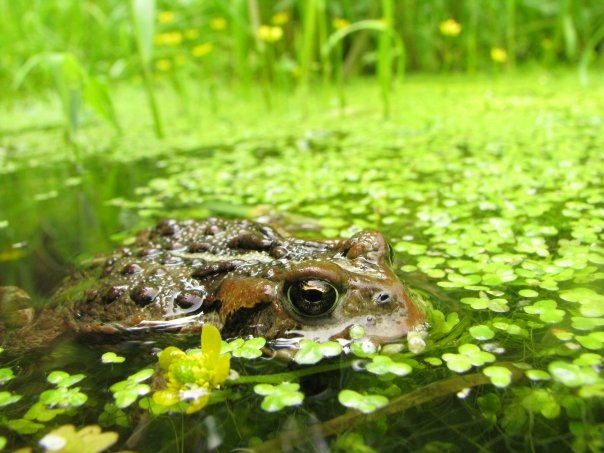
312 297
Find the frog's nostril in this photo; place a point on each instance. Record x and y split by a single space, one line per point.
383 298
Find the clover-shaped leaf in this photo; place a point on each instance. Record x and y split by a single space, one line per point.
63 397
311 352
547 311
6 374
498 305
63 379
276 397
572 375
127 391
42 413
481 332
112 357
247 349
381 365
541 401
363 403
7 398
500 376
469 355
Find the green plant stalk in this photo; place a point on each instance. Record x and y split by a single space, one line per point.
384 68
471 37
309 27
399 404
142 14
241 41
510 32
594 39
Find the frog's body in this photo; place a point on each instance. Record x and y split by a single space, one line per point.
243 277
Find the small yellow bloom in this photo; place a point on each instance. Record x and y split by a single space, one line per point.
191 377
171 38
280 18
191 33
499 55
450 27
339 23
270 34
202 49
163 64
218 23
165 17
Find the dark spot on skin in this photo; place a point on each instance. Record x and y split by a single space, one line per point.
215 268
278 252
167 227
190 300
90 295
174 246
157 272
197 247
148 251
124 251
113 293
213 230
132 268
143 295
107 271
250 241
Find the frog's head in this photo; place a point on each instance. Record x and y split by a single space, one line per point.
323 297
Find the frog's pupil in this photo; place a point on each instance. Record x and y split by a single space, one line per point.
312 297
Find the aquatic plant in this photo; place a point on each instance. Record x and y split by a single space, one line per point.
191 377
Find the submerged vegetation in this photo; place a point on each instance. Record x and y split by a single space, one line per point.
483 166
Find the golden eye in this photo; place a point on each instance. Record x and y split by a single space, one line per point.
312 297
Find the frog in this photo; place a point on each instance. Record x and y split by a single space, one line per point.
244 277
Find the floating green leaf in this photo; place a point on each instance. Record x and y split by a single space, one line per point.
363 403
500 376
547 311
112 357
63 379
481 332
248 349
311 352
127 391
6 374
469 355
381 365
277 397
7 398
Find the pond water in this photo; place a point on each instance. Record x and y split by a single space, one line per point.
490 192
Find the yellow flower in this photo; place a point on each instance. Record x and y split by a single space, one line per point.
202 49
191 377
191 33
280 18
450 27
163 64
171 38
165 17
499 55
218 23
270 34
339 23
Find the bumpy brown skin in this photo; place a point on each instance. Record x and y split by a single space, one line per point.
235 275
